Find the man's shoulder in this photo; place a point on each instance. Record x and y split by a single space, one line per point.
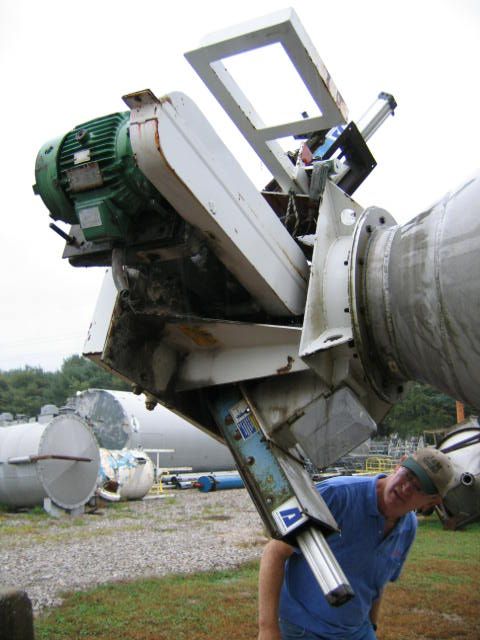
354 482
349 491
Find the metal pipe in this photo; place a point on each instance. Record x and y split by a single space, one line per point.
325 568
218 483
32 459
415 297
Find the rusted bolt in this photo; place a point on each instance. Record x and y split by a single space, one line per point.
228 419
237 435
150 405
250 460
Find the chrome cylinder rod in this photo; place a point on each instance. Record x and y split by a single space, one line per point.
328 573
376 115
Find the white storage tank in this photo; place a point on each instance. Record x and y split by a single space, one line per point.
59 460
461 505
120 420
124 475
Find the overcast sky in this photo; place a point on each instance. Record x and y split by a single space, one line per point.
63 63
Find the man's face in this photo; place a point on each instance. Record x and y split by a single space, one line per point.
402 493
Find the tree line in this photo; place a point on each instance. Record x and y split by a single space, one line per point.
26 390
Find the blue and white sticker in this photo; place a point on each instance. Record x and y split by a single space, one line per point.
244 419
289 515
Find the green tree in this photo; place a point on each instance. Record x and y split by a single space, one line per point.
25 391
78 374
423 408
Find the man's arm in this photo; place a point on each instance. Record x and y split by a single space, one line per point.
269 585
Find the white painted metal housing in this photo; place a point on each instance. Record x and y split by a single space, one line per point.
184 158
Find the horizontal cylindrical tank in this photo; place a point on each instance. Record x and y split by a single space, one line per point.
218 483
120 420
124 475
58 459
416 297
462 502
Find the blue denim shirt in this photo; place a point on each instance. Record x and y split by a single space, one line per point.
368 559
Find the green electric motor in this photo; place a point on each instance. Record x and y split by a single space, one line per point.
89 177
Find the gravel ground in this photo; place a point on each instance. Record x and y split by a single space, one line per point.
181 532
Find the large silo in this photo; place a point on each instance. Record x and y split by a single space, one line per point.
120 420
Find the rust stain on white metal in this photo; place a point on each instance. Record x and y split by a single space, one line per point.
288 367
199 336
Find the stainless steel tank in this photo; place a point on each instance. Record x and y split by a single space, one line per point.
120 420
462 502
416 299
57 460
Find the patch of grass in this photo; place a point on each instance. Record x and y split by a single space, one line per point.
435 599
438 593
9 530
203 606
13 536
121 505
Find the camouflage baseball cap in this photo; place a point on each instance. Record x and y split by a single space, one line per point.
433 469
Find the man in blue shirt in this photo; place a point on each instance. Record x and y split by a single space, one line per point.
377 523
